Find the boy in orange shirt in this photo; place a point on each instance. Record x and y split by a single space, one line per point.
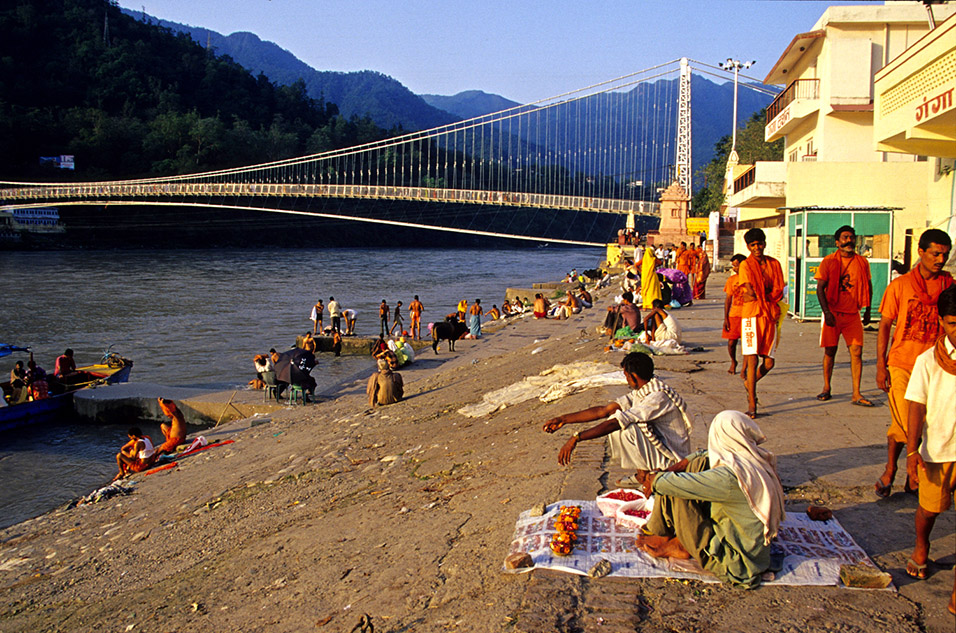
910 302
761 283
731 330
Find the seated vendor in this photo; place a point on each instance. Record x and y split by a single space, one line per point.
174 432
137 455
648 428
721 506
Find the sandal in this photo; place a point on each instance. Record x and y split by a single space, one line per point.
915 570
882 490
824 396
862 402
752 414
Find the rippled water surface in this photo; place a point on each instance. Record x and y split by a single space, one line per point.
196 317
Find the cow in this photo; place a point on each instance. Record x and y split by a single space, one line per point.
451 329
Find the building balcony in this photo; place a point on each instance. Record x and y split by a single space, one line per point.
798 101
762 185
915 97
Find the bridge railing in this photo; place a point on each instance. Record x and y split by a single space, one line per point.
100 191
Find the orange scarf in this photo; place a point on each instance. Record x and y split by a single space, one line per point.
769 300
942 358
860 292
918 285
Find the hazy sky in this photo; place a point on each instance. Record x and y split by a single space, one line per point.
521 49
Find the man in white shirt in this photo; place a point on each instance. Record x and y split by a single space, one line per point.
931 433
648 428
335 314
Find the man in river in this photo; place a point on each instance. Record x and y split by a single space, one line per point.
415 309
174 432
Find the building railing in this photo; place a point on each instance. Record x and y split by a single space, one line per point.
798 89
745 179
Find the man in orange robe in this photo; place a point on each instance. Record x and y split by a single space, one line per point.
761 283
702 272
844 288
682 259
910 302
732 309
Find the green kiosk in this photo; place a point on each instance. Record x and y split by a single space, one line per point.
810 233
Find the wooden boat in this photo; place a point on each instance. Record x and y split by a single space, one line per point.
112 369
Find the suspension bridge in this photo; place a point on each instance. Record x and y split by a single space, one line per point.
562 170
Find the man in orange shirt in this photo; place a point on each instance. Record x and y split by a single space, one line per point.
761 283
732 304
844 288
910 301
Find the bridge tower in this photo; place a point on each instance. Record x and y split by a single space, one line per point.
684 174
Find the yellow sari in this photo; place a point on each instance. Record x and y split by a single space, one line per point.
650 284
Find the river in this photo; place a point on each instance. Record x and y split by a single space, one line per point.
195 318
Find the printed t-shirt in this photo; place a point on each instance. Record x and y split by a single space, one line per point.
732 289
850 281
917 324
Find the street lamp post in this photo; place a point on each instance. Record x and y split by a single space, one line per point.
735 65
733 159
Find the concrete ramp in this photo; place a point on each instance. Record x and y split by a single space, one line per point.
119 404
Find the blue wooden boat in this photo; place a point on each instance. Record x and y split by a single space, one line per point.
112 369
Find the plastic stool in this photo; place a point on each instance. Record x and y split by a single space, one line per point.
295 391
270 392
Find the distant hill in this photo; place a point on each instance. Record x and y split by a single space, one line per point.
470 103
385 100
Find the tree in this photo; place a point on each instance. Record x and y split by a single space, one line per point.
751 147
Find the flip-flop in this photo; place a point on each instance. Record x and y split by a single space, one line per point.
883 490
862 402
915 570
824 396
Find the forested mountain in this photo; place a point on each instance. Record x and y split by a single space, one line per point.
362 93
470 103
129 99
388 102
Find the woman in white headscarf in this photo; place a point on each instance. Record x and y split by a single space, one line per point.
721 506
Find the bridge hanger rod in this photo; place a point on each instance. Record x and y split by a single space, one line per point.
473 122
387 143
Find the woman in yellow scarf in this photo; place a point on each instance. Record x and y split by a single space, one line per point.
650 284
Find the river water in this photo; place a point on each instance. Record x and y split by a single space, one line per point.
195 318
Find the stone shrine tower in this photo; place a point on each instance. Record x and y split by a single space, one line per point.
673 229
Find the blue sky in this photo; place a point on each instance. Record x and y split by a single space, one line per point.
523 50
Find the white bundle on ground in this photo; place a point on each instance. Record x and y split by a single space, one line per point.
553 383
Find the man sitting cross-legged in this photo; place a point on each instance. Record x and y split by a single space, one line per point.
648 429
721 506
